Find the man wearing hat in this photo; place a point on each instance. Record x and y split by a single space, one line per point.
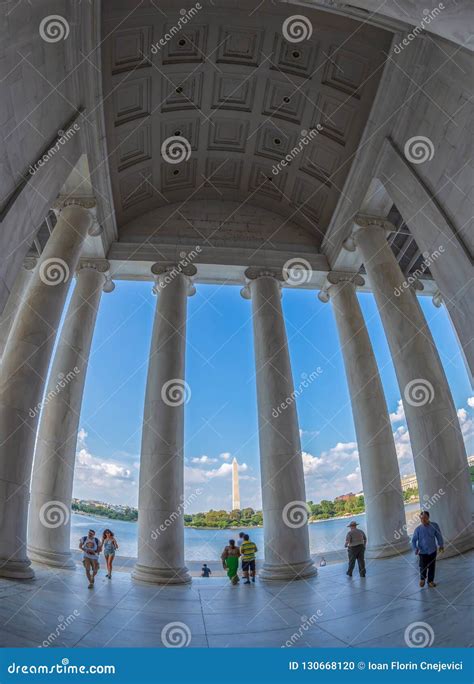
355 544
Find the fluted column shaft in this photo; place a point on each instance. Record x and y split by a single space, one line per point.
25 365
15 300
287 554
385 512
161 488
435 435
53 472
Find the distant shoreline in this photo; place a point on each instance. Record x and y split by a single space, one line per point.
240 527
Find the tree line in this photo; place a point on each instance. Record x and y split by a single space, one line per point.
246 517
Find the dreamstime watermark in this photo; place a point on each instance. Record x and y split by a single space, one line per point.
176 392
306 624
428 260
63 624
186 15
63 138
54 271
54 514
176 149
297 271
419 392
419 149
306 137
430 15
419 635
64 667
304 384
54 28
63 381
297 28
428 502
295 514
175 515
176 635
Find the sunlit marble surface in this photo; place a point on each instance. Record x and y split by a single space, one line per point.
330 610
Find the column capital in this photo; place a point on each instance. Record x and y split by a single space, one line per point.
437 299
83 201
245 292
416 285
163 274
337 277
369 221
101 266
29 263
253 273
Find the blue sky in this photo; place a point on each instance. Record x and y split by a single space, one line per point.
221 416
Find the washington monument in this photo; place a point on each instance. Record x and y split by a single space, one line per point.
235 486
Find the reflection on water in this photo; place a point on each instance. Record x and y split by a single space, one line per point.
324 536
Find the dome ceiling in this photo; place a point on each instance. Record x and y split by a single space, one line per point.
242 96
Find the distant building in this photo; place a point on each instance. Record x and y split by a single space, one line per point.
345 497
409 482
470 460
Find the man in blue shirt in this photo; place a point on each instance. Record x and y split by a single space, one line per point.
424 541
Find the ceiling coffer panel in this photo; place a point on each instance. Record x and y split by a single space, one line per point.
228 106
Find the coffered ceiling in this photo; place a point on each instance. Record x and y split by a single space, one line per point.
243 96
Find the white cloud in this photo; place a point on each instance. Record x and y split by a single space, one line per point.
466 421
335 471
328 474
85 460
102 479
309 433
203 459
399 414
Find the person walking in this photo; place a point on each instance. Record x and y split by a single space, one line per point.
248 549
423 542
230 561
109 546
356 541
90 547
240 539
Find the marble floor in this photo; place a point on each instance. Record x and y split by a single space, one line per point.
331 610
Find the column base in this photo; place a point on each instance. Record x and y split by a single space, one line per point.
145 573
52 558
388 550
460 544
17 569
287 571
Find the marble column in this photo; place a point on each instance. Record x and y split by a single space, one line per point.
161 486
25 365
53 471
287 555
435 435
15 299
385 512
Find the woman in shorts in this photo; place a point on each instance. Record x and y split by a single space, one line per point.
109 546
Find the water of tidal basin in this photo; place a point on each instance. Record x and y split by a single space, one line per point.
206 544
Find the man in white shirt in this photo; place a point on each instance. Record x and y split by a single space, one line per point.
90 547
356 541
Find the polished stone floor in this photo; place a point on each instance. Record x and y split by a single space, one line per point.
331 610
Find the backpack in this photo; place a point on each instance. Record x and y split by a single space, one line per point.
97 543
